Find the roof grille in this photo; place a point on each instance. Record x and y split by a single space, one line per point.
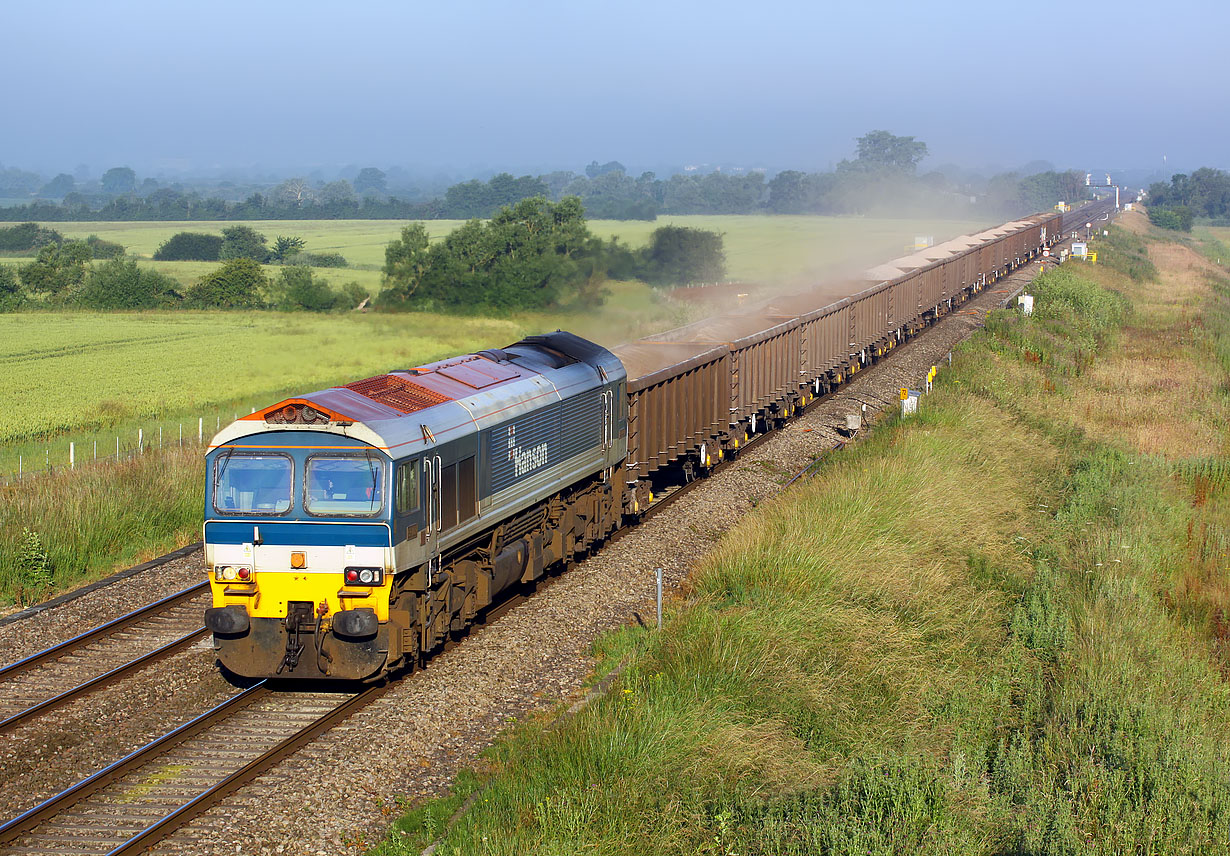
398 393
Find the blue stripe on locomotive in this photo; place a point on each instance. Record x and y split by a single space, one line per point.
294 533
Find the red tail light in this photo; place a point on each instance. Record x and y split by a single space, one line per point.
364 576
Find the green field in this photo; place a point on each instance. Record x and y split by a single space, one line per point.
85 377
758 248
88 376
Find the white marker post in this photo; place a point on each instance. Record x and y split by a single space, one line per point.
659 576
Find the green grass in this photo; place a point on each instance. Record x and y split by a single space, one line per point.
74 371
846 676
60 529
362 242
789 249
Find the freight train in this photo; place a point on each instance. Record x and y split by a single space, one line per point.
350 532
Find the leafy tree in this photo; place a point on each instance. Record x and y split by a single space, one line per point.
370 180
237 284
104 249
405 263
529 255
16 183
1206 193
338 193
243 242
28 236
58 271
190 246
1041 191
12 295
286 246
879 151
679 255
59 187
793 192
1178 217
121 284
294 193
353 294
299 288
555 182
119 180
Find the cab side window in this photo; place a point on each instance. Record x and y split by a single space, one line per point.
408 488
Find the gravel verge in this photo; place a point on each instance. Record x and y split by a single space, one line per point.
29 632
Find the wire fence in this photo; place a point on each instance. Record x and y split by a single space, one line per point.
58 456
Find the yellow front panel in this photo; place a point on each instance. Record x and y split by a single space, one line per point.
273 590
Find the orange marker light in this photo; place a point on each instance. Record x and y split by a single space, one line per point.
298 561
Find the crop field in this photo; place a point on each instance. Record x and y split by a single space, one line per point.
87 376
87 371
758 248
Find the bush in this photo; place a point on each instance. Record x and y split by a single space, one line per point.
12 295
236 285
244 242
104 249
330 260
284 247
58 270
298 288
190 247
121 284
27 236
353 294
679 255
1178 218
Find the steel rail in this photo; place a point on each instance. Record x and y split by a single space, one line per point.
104 679
30 819
100 631
145 839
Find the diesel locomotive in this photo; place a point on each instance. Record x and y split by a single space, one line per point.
348 532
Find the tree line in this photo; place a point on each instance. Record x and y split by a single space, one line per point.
535 254
1175 205
882 177
96 274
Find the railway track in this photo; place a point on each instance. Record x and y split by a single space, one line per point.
140 799
50 679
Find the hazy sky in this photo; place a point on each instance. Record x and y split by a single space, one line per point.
534 85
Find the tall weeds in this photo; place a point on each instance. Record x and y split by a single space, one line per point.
63 528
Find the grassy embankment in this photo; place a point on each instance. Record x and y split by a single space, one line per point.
999 627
